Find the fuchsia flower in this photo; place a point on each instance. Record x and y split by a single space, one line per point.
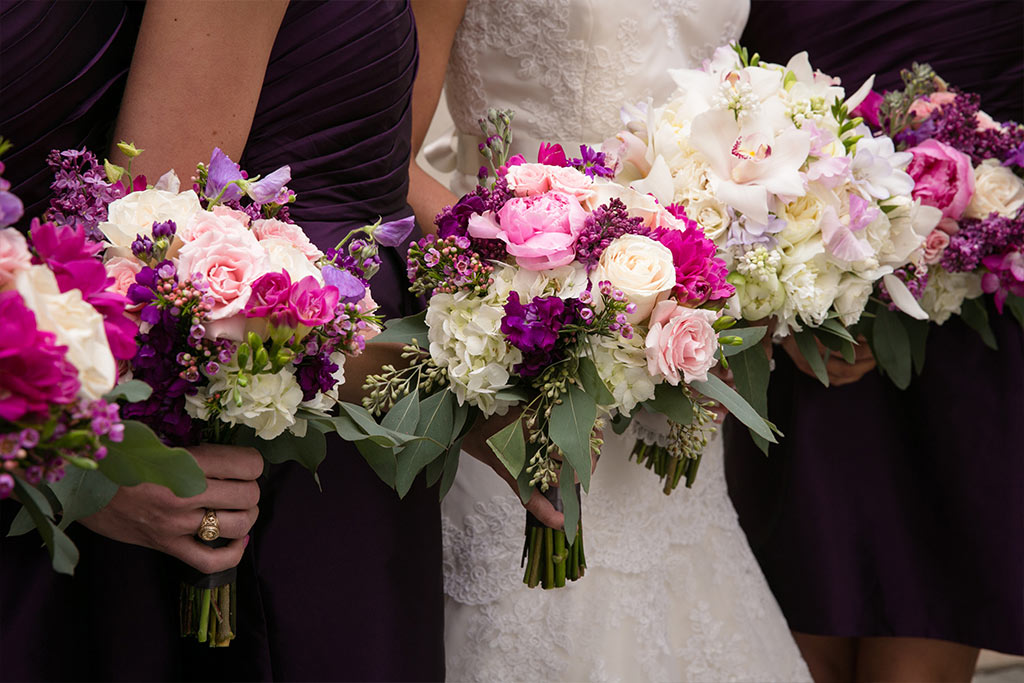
269 295
540 231
700 276
310 304
868 109
943 177
551 155
34 370
1005 276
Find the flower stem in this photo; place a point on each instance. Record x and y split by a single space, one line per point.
204 607
560 559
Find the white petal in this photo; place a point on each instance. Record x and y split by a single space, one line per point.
902 297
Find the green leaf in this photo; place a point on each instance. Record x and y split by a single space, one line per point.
570 500
309 450
22 523
526 489
973 312
81 493
717 390
570 426
515 393
836 328
849 352
671 402
620 423
63 552
917 331
891 345
435 424
405 330
806 342
381 460
1016 306
751 372
404 415
132 390
142 457
434 470
510 447
357 424
750 336
451 467
592 383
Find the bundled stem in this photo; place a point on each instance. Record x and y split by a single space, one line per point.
548 558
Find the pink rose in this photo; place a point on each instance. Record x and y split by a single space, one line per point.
948 226
221 219
230 261
923 107
934 245
14 255
943 177
527 180
269 295
570 181
310 304
540 231
271 228
681 339
123 270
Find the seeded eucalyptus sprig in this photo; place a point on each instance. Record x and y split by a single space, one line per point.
392 384
894 113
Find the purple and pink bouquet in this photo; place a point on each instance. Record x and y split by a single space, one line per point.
969 167
64 447
245 325
559 296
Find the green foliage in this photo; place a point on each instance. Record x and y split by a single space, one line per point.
570 500
751 373
142 457
510 447
806 341
408 330
891 345
672 402
592 383
63 553
572 421
132 390
717 390
973 313
435 425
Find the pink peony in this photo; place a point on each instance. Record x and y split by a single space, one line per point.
368 305
230 261
14 255
271 228
123 270
700 275
943 177
226 211
571 181
934 245
539 231
527 180
681 339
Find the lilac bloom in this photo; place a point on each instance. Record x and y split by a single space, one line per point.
219 174
394 233
266 190
350 288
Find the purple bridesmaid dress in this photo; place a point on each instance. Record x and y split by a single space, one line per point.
343 584
881 512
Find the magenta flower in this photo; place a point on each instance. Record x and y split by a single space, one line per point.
1005 276
868 109
269 295
34 370
310 304
533 329
943 177
700 276
552 155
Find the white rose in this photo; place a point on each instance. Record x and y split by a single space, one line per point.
945 293
852 297
711 215
996 188
642 268
135 214
76 324
284 256
269 402
803 219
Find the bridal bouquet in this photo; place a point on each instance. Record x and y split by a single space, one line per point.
969 167
244 325
807 209
556 298
64 445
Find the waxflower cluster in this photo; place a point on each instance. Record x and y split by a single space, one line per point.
807 209
969 168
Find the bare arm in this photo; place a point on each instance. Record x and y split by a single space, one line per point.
436 23
195 80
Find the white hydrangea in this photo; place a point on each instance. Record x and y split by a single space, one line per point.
465 337
622 364
945 293
269 402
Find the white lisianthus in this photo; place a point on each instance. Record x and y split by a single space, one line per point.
945 293
269 402
465 337
996 188
622 365
284 256
134 214
853 295
878 169
76 324
642 268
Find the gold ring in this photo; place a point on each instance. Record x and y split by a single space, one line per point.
209 528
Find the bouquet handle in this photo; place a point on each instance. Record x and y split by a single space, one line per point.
208 604
548 558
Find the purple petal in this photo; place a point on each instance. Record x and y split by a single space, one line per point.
11 209
394 233
350 288
265 190
221 172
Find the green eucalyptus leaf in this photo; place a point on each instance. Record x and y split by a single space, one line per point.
451 467
510 447
405 330
356 424
750 336
63 553
836 328
973 313
717 390
917 331
751 373
22 523
404 415
571 423
435 425
82 493
1016 306
806 342
381 460
514 393
142 457
891 345
308 450
620 422
592 383
672 402
132 391
570 500
434 470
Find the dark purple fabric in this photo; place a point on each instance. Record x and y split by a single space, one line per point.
881 512
349 580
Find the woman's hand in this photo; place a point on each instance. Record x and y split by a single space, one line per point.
152 517
839 371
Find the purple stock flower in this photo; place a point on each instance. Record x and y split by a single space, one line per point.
11 208
533 329
453 220
81 191
316 374
394 233
219 174
165 229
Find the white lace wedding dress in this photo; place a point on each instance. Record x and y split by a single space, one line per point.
672 591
